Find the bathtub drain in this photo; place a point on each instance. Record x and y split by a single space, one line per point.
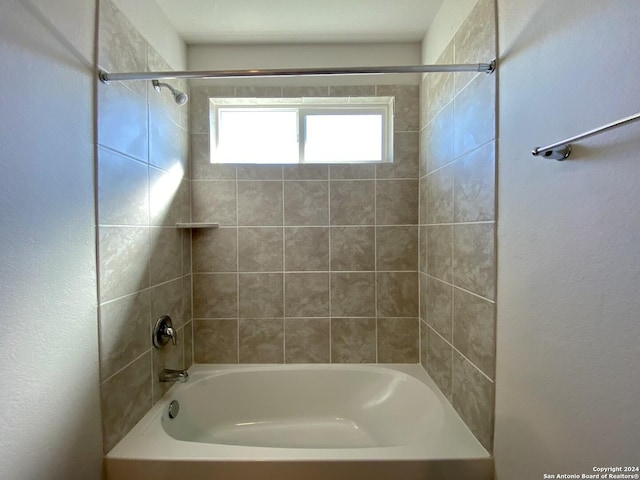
174 408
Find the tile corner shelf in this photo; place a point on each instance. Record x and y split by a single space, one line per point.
197 225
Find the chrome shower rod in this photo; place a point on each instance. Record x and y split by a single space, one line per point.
107 77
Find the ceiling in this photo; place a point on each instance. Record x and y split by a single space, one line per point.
300 21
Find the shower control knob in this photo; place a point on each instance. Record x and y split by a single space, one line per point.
163 332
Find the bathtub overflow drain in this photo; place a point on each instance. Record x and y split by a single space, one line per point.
174 408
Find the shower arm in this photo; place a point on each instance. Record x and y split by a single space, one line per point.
106 77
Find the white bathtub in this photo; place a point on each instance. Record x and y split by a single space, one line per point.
333 421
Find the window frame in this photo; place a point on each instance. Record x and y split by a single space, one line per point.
304 107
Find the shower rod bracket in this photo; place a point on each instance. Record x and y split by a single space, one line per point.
558 153
104 77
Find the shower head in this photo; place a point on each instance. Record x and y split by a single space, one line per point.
180 97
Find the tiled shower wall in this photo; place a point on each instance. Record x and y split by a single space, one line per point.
144 261
457 224
312 263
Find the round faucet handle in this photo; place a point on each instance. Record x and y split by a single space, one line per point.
164 331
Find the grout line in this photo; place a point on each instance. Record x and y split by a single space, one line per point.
462 289
206 319
375 253
237 269
284 279
317 226
330 268
137 292
129 364
454 350
307 272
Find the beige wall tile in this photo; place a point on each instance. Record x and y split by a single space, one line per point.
260 295
440 138
397 294
397 202
186 251
475 185
306 203
215 295
439 362
261 340
201 165
260 249
423 284
422 249
307 294
422 158
352 91
215 341
306 172
424 101
259 172
307 248
405 159
352 248
397 248
423 344
213 201
126 397
124 261
187 298
398 340
475 115
407 105
124 332
474 258
305 92
353 294
258 92
440 195
440 307
169 198
165 142
473 399
122 121
441 84
423 205
121 48
199 105
352 172
166 254
475 40
260 203
474 327
122 190
439 252
353 340
352 202
188 345
307 340
215 250
166 299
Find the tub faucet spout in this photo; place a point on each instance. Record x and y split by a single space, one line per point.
168 375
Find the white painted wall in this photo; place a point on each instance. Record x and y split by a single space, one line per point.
444 26
242 57
152 23
568 351
50 421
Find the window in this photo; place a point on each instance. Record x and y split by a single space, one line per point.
302 130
